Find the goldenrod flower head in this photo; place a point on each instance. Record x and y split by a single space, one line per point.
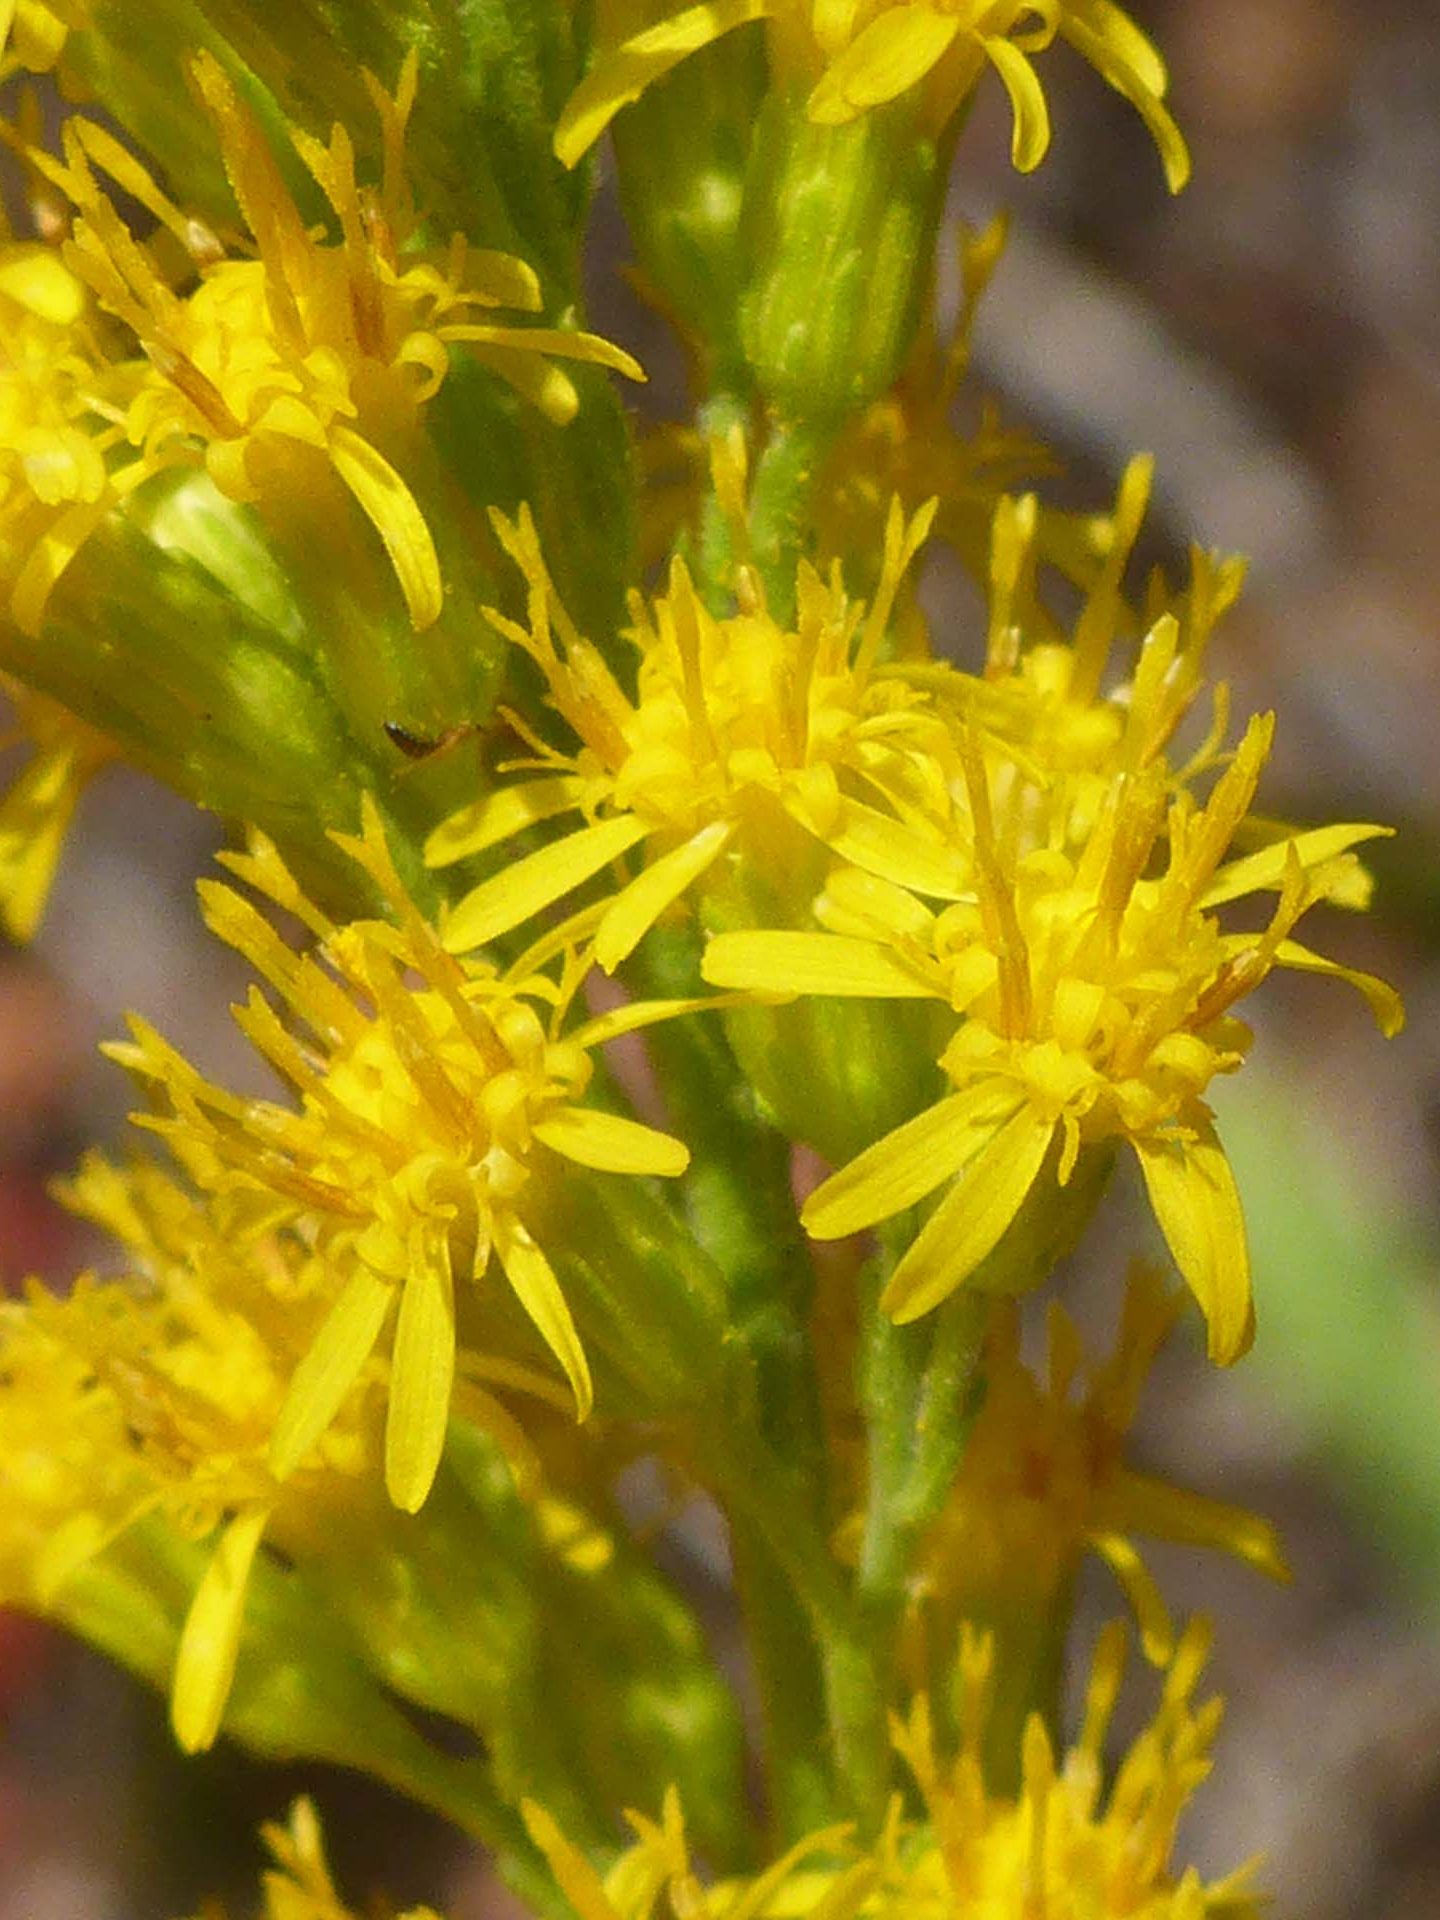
182 1368
61 409
299 357
1092 986
432 1097
1043 1478
659 1867
38 806
1064 1848
861 54
69 1475
299 1886
33 32
739 725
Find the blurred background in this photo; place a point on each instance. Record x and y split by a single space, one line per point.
1272 337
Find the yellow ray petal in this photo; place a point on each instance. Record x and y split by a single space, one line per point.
1266 869
328 1371
1031 136
820 963
422 1373
538 1292
564 342
499 816
895 51
1131 71
210 1638
907 1163
969 1221
1157 1634
574 1875
518 892
392 510
632 913
1139 1503
1196 1202
52 553
610 1143
1384 1002
35 817
877 844
622 76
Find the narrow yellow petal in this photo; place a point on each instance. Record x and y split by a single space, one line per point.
622 76
822 963
329 1370
1385 1003
392 510
566 343
51 554
1196 1202
1139 1503
1131 71
894 52
574 1875
422 1373
520 891
882 846
610 1143
1265 870
632 913
538 1292
969 1221
1031 137
907 1163
210 1638
499 816
1157 1632
35 816
635 1014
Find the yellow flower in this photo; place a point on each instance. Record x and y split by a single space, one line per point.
299 1886
36 810
61 413
741 731
1043 1478
33 32
182 1369
861 54
1063 1849
295 361
1092 987
435 1100
659 1865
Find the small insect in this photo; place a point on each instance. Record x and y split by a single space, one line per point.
415 746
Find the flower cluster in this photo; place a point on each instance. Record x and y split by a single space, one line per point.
291 358
367 1442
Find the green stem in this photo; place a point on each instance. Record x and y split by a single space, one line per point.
779 503
799 1790
917 1384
